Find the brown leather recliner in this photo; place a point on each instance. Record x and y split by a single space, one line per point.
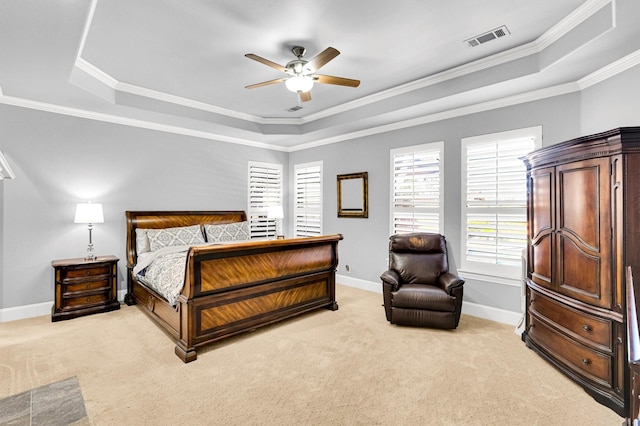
418 288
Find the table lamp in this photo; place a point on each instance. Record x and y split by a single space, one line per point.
89 213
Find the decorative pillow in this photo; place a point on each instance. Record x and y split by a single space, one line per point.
236 231
142 241
180 236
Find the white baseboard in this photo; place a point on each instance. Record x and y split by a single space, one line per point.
491 313
35 310
358 283
27 311
468 308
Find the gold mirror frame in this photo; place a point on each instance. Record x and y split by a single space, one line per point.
353 195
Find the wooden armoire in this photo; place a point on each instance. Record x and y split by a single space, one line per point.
583 217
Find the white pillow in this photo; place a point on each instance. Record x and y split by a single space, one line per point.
180 236
142 241
236 231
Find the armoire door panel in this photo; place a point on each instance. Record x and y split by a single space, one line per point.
580 275
541 262
542 201
583 235
579 202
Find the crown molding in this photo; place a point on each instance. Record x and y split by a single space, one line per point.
95 72
595 77
575 18
444 115
133 122
535 47
5 170
608 71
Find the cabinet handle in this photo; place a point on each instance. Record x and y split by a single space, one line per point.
88 273
88 299
586 361
586 328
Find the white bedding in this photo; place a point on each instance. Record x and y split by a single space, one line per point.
163 271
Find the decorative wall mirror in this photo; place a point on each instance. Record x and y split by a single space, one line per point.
353 195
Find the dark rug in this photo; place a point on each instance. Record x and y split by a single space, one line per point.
55 404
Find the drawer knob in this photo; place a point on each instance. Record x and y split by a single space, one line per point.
586 328
88 272
586 361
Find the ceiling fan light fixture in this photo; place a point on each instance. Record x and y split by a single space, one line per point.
299 83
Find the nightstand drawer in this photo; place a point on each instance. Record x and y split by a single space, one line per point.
85 300
84 272
86 285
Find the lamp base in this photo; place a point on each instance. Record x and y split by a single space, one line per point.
90 255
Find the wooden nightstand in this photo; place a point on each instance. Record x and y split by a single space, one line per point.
85 287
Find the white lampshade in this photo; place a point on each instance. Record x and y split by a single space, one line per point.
275 212
299 83
89 213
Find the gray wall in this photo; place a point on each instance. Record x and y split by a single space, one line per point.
612 103
365 243
61 160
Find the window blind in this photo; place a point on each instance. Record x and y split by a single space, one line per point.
265 190
495 220
416 189
308 200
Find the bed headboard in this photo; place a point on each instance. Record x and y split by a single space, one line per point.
172 219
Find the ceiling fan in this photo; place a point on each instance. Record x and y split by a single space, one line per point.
302 73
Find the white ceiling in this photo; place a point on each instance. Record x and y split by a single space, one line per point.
179 65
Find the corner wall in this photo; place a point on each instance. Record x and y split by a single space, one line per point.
62 160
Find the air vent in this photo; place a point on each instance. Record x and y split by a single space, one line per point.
488 36
295 108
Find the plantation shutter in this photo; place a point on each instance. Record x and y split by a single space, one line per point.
496 219
265 190
308 200
417 189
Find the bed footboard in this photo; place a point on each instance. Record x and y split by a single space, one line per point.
235 288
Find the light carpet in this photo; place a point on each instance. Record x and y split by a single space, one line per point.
348 367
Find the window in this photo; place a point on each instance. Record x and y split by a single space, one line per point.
265 190
307 207
416 189
494 190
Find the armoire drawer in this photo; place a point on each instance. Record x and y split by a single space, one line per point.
589 363
588 329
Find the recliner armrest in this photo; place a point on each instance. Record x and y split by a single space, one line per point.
392 278
449 281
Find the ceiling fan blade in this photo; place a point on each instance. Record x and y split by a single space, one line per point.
305 96
322 58
265 83
340 81
266 62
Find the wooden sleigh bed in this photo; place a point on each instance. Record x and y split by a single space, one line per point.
233 287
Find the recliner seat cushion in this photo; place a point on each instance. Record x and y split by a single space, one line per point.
418 296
